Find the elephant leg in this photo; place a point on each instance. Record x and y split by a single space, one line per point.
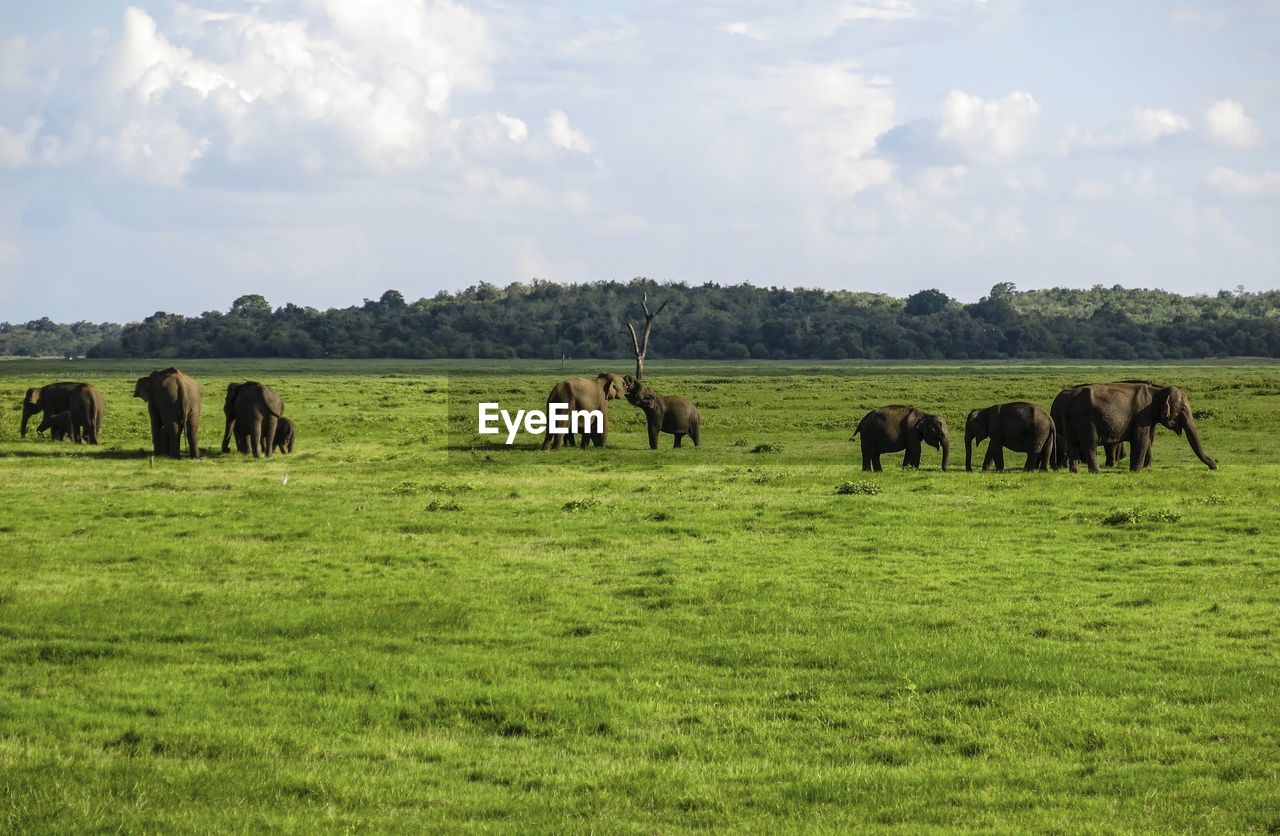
226 436
875 461
989 460
866 459
1091 456
678 437
157 432
569 440
269 428
173 439
193 436
255 437
654 430
1139 452
695 433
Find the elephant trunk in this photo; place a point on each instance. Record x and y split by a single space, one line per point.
946 451
1193 438
968 450
26 416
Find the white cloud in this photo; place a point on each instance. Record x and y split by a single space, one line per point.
1231 183
1229 127
16 146
831 115
1148 126
517 130
353 88
989 128
563 135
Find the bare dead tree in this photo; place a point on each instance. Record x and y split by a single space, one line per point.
641 347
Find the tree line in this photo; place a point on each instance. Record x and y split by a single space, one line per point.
709 321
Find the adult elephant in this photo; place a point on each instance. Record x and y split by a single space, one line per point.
665 414
1020 426
253 413
83 401
582 393
890 429
1115 453
1109 413
173 402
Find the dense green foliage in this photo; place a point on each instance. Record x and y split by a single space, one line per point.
45 338
545 320
417 631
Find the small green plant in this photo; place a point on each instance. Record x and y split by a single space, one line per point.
448 505
586 504
767 447
860 487
1138 514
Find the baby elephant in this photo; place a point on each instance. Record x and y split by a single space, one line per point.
1020 426
668 414
285 432
893 428
60 426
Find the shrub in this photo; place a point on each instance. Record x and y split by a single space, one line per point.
587 504
767 448
1129 516
860 487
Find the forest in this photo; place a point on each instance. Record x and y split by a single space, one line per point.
546 320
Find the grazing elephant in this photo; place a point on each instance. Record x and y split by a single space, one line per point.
82 400
60 426
1022 427
893 428
253 413
1108 413
286 430
1115 453
581 393
665 414
173 402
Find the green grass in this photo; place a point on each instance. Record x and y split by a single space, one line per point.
423 630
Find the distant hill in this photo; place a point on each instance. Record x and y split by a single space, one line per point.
548 320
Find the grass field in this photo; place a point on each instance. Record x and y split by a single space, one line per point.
409 633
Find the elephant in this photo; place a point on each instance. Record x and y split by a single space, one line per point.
1020 426
173 402
253 413
1108 413
60 426
889 429
581 393
83 401
1115 453
286 430
665 414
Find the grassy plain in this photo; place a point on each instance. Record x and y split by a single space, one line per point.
407 633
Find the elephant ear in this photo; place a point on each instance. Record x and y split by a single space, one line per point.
33 396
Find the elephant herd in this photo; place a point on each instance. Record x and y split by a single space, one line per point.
254 414
663 413
1081 419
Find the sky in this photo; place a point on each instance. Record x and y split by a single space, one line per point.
166 156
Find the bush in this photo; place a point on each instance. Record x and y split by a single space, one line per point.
1129 516
859 488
